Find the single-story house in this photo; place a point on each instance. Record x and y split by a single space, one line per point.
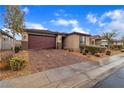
118 42
5 41
44 39
96 40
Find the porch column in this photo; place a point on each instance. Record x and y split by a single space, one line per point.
59 42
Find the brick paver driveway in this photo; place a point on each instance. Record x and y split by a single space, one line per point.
46 59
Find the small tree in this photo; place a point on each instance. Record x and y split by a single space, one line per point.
14 20
109 37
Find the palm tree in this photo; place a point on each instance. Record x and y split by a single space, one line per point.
14 20
109 37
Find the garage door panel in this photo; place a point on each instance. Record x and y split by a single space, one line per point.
41 42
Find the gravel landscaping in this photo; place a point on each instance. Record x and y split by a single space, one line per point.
40 60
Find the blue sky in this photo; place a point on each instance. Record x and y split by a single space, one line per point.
85 19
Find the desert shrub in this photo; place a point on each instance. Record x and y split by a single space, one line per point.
122 47
122 50
108 52
97 55
16 63
85 51
92 49
17 49
70 50
117 47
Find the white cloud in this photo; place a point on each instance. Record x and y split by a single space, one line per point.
79 29
115 14
73 23
61 13
61 22
61 10
92 18
56 14
101 24
25 9
64 22
34 25
115 23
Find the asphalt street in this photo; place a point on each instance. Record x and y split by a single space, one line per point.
116 80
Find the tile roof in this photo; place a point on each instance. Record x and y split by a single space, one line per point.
38 31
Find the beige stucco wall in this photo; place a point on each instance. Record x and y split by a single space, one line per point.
87 40
72 42
24 36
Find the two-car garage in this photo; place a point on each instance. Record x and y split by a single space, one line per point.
41 41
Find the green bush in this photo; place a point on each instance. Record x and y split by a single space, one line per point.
17 49
97 55
108 52
16 63
117 47
92 49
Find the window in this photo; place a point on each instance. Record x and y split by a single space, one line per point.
82 39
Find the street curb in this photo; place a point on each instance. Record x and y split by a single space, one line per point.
90 81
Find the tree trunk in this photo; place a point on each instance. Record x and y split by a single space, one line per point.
109 44
13 42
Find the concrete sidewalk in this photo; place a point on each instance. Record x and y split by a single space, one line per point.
77 75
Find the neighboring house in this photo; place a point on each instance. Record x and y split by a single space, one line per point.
5 41
44 39
118 42
97 40
104 42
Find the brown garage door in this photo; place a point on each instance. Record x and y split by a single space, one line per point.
41 42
